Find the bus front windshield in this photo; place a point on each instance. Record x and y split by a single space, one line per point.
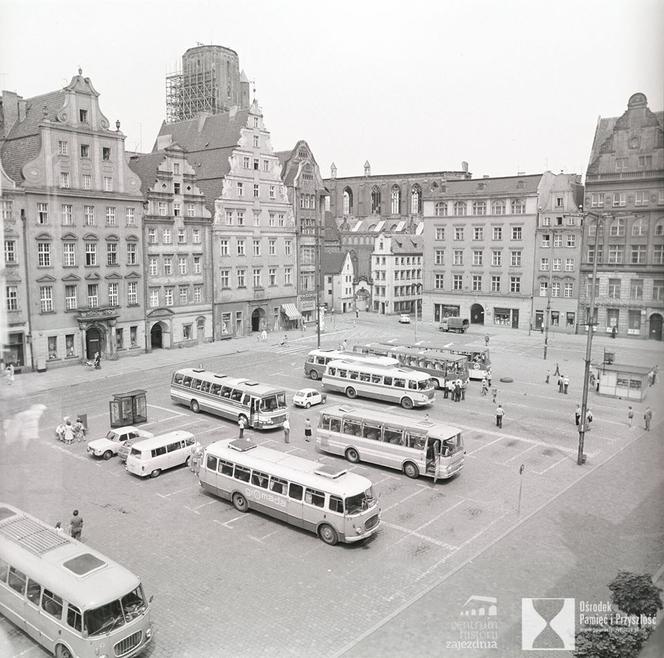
425 384
452 445
360 503
116 613
273 402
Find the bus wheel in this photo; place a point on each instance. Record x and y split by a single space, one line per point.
313 374
107 455
195 407
240 502
61 651
352 456
156 473
411 470
351 392
328 534
406 403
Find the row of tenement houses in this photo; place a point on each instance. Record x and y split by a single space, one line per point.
214 234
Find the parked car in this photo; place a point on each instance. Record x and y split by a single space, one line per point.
404 318
110 445
308 397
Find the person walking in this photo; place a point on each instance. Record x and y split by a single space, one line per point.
486 340
286 430
548 374
307 430
79 430
241 424
577 415
264 335
457 391
446 390
494 394
68 436
500 412
589 418
630 417
463 391
344 345
647 418
485 387
557 370
10 373
560 383
58 528
488 379
76 525
565 384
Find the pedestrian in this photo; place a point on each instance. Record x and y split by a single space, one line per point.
457 391
97 361
560 384
463 391
548 374
647 418
263 335
565 384
654 374
488 378
589 417
286 430
630 416
60 431
344 345
284 342
357 314
10 373
307 430
76 525
486 340
500 412
485 387
557 371
79 430
58 528
577 415
614 331
196 459
494 394
68 436
242 423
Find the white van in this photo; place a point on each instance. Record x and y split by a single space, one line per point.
152 456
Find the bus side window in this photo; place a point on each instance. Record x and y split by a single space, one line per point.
295 491
205 387
417 441
315 498
324 421
225 468
364 376
172 447
34 592
4 570
74 617
335 424
236 395
371 432
186 382
196 384
278 485
375 379
225 392
412 384
394 436
242 473
388 381
342 373
211 463
352 374
246 400
161 450
52 604
16 580
178 377
260 479
352 427
189 441
399 383
332 371
215 389
336 504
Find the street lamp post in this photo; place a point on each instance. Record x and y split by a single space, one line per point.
590 323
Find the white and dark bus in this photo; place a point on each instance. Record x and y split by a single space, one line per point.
317 360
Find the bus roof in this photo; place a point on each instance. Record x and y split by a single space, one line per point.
433 427
248 385
395 371
356 356
428 353
156 441
61 564
296 469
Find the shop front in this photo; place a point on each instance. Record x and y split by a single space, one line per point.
98 332
506 317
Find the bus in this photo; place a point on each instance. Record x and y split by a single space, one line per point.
479 361
260 406
68 597
314 364
443 368
412 445
322 498
404 386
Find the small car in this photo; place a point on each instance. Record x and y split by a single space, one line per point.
404 318
111 443
308 397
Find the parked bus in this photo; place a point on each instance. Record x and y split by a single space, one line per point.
479 362
443 368
260 405
317 360
412 445
321 498
404 386
68 597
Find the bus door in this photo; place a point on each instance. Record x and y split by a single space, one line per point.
434 447
294 505
313 509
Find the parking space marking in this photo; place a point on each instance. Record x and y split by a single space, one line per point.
235 518
514 437
449 509
173 493
71 454
177 413
413 533
195 509
387 477
419 491
484 445
562 459
262 539
520 454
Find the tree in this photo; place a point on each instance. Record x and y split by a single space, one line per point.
636 594
610 642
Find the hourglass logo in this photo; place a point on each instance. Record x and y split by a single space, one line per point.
547 624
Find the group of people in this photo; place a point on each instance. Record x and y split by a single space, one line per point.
456 389
577 416
75 526
7 371
69 432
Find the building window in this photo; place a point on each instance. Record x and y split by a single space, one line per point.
638 255
153 266
65 179
105 153
83 116
636 288
495 283
272 218
110 216
182 264
658 290
478 233
183 295
639 228
478 255
457 282
439 257
197 264
168 296
196 236
132 293
518 206
176 209
63 148
544 265
85 150
617 228
477 282
543 288
223 247
273 192
229 218
90 254
266 165
108 184
71 301
288 247
619 199
569 265
515 284
240 189
658 254
557 240
257 277
555 289
458 232
597 200
93 295
257 142
224 278
44 254
288 276
440 233
167 236
440 208
479 207
395 200
496 257
257 217
246 162
240 217
515 258
568 289
459 207
12 298
438 281
87 181
458 257
614 288
517 232
616 254
641 198
46 299
42 213
113 294
168 265
112 253
182 236
272 247
10 252
557 264
571 240
256 191
272 276
154 297
241 278
89 215
130 217
497 233
241 251
66 214
198 294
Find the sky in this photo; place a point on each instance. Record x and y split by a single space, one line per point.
506 85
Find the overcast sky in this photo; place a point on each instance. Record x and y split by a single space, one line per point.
507 85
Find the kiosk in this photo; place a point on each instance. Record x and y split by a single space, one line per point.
621 381
128 408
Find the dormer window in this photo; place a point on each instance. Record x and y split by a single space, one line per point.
83 116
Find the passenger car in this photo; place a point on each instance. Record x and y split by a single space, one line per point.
404 318
111 443
308 397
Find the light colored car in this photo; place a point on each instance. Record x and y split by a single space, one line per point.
308 397
111 443
404 318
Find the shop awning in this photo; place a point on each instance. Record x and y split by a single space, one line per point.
291 311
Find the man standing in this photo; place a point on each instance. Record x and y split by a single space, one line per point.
565 384
548 375
241 424
647 418
500 412
577 415
560 383
630 417
76 525
307 430
286 430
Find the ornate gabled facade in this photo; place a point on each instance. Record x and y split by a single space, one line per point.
253 235
177 238
307 194
82 206
624 231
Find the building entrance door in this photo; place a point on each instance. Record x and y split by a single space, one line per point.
515 318
655 326
156 336
92 343
477 314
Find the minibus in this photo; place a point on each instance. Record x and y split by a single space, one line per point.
152 456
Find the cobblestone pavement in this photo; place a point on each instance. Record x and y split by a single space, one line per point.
227 584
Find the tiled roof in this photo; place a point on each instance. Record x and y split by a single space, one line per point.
406 244
483 187
145 167
331 262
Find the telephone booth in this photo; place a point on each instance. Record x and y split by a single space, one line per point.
128 408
